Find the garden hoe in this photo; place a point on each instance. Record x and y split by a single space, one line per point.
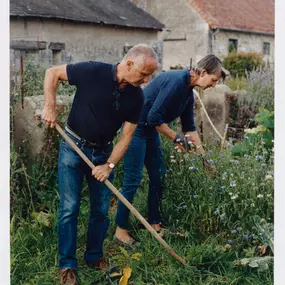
125 201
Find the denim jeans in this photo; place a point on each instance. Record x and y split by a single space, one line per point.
144 149
71 172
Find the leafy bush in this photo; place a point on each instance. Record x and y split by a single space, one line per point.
239 63
263 134
33 80
259 89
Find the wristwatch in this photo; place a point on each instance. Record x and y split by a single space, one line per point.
111 165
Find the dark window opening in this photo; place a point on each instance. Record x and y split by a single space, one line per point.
266 48
56 57
233 45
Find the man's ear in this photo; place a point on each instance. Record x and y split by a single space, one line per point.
203 72
130 64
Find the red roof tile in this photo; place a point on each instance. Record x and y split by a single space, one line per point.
252 15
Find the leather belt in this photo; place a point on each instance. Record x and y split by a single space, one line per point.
85 142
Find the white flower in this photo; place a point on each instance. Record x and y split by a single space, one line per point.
268 177
230 193
259 196
252 205
172 156
179 150
258 129
268 195
172 160
234 197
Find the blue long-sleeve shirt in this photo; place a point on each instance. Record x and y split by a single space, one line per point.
167 97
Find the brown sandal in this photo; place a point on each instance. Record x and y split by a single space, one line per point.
129 244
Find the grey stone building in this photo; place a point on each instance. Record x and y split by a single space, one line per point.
68 30
194 28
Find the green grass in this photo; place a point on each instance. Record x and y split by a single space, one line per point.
194 228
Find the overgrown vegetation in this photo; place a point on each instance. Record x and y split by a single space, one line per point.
222 225
254 91
210 222
33 79
240 62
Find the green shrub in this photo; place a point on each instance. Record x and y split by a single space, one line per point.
263 134
33 80
239 63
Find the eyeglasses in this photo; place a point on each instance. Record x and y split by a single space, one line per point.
116 97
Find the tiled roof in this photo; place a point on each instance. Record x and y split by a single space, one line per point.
244 15
107 12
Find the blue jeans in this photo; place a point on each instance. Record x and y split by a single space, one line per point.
144 149
71 172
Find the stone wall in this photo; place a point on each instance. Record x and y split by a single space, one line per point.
217 106
28 129
186 34
247 42
66 41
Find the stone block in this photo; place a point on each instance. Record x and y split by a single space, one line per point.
29 131
217 106
27 45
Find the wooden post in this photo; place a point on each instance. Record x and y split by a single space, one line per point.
21 81
224 137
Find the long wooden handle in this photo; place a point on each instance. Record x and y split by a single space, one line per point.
124 200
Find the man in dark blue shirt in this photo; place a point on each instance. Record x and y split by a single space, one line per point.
106 96
168 96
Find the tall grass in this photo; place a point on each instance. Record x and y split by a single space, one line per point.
210 221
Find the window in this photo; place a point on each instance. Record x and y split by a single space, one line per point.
233 44
126 49
266 48
57 49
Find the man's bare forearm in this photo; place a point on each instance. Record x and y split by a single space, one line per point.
52 76
165 130
122 145
50 86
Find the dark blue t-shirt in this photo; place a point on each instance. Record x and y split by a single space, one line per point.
167 97
99 108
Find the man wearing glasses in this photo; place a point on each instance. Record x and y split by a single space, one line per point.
106 96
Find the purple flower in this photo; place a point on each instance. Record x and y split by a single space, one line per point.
185 206
167 170
195 196
230 241
246 156
232 183
234 161
234 231
217 140
192 168
210 152
262 184
217 211
239 229
222 155
258 157
193 159
245 236
222 216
